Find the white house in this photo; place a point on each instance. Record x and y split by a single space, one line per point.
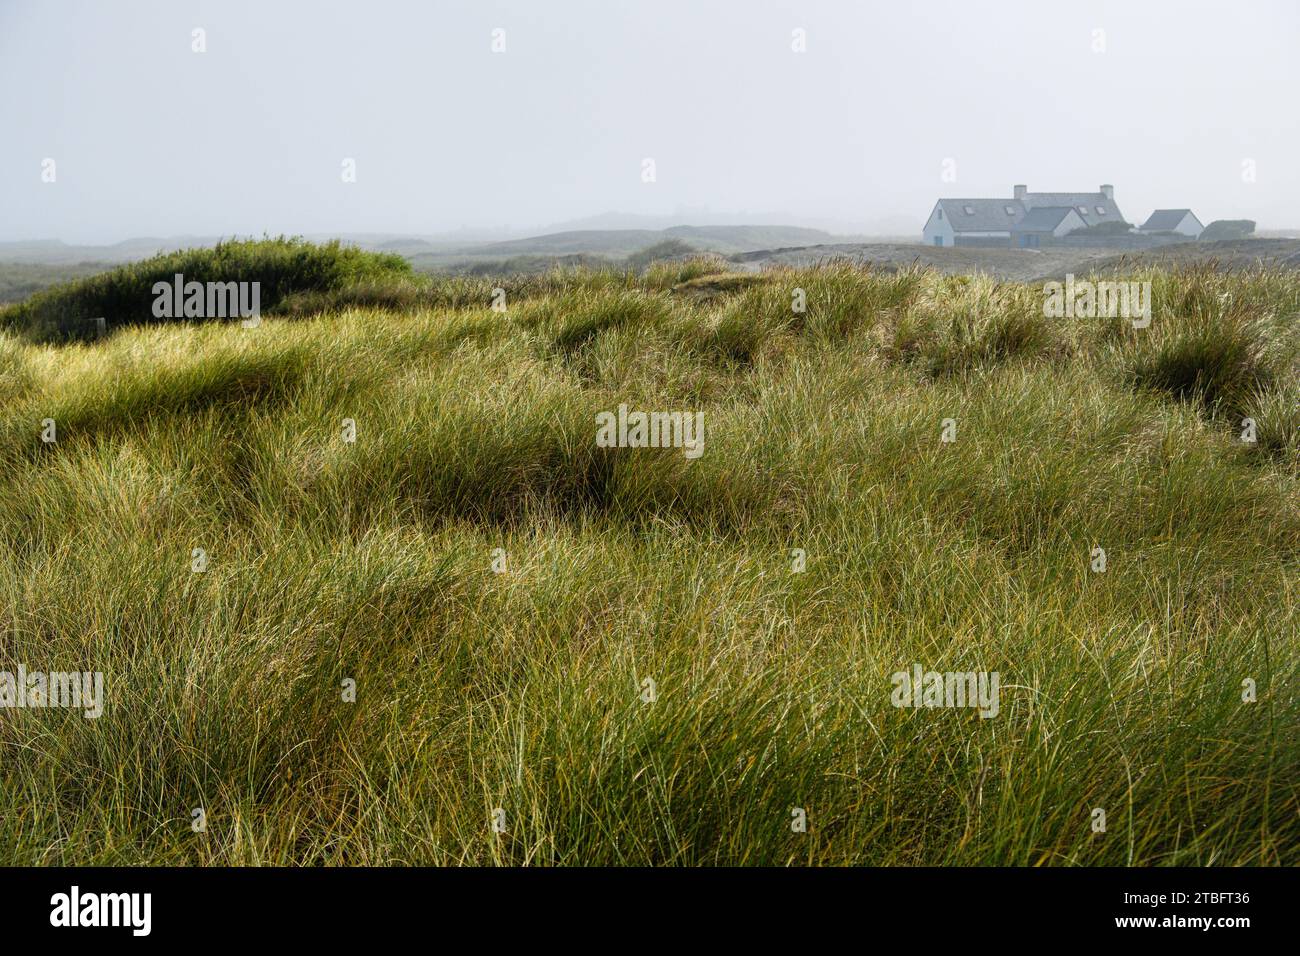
991 222
1181 221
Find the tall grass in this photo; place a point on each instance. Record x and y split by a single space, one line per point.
649 680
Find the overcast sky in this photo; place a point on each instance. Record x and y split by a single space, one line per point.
150 138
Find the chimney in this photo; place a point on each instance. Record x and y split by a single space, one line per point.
1020 191
1108 190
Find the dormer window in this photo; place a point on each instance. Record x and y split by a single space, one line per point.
969 210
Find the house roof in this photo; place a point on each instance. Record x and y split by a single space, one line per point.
986 215
1044 218
1088 201
991 215
1166 220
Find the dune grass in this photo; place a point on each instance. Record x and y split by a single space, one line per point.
649 680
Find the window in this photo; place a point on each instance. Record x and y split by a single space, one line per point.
1011 210
1101 210
1083 210
969 210
940 213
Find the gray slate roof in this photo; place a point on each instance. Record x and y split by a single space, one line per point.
1165 220
990 215
1089 202
1043 218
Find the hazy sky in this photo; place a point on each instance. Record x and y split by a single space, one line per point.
151 138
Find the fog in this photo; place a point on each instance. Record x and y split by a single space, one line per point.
1175 103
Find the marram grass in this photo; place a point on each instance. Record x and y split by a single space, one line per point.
517 701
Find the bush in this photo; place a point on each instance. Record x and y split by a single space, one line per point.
124 296
1228 229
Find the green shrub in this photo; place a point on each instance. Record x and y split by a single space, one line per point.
1227 229
125 296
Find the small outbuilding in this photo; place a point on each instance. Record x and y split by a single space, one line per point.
1180 221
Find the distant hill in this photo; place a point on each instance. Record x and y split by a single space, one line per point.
613 243
56 252
406 246
748 238
619 243
606 242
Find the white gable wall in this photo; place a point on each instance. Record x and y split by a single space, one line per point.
1189 226
937 225
1069 222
